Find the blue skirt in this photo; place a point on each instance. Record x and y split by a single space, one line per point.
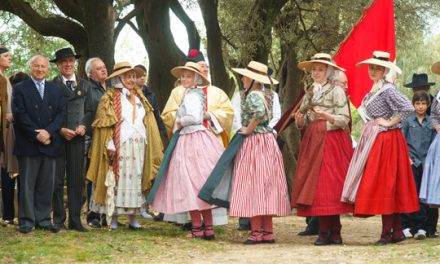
430 187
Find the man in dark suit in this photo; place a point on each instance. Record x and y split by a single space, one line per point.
97 73
71 163
39 111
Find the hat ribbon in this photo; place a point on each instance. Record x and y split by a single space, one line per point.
123 67
321 58
381 58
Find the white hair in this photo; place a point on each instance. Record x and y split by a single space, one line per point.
88 67
36 57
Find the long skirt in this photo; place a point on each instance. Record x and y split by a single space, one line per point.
334 165
430 187
192 161
387 184
129 198
259 183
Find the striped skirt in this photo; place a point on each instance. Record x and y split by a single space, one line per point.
259 183
192 160
430 187
358 161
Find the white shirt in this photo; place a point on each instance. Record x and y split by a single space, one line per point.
236 105
73 79
130 126
191 113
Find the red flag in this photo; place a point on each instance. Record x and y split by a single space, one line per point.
373 31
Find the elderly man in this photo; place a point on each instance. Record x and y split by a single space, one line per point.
39 111
71 163
97 73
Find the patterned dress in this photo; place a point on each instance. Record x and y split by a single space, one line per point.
430 187
381 167
259 183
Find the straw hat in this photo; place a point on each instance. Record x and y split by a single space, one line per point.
190 66
320 58
435 68
256 71
381 58
123 67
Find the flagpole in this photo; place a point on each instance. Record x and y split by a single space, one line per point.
364 13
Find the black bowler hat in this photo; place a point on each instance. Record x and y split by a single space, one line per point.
195 56
64 53
419 80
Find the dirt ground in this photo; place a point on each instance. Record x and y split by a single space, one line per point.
358 234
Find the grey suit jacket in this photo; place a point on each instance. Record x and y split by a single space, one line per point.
75 101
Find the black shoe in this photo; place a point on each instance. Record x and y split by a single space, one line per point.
243 227
104 222
48 227
94 223
60 226
187 226
78 228
158 217
135 228
308 232
24 229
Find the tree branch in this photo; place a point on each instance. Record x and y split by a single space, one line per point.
306 32
131 24
71 8
56 26
193 34
123 21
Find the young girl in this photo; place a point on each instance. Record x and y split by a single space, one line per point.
379 179
187 166
325 150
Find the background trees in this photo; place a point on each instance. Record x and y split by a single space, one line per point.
277 32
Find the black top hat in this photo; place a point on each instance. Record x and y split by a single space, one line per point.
195 56
64 53
419 80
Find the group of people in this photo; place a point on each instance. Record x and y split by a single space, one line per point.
185 162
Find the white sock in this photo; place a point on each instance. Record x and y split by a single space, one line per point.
133 221
114 223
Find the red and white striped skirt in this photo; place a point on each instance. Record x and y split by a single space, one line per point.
259 182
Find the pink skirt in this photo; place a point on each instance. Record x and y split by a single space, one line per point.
259 182
192 161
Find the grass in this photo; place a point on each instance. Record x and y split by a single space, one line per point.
166 243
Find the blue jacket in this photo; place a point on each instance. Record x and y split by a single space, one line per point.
31 112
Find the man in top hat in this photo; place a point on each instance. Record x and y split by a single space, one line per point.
71 163
39 112
420 83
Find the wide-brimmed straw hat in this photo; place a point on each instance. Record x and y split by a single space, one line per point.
190 66
318 58
435 68
123 67
381 58
257 71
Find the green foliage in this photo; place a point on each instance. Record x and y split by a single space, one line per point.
24 42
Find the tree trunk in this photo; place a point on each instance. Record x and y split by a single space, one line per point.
100 21
154 25
219 75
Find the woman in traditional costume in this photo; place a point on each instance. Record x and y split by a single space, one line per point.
259 188
126 140
189 158
325 150
379 180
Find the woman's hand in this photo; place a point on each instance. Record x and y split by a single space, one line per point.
178 124
111 153
382 122
245 131
299 119
437 128
324 116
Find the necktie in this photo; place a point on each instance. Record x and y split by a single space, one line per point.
70 85
40 87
